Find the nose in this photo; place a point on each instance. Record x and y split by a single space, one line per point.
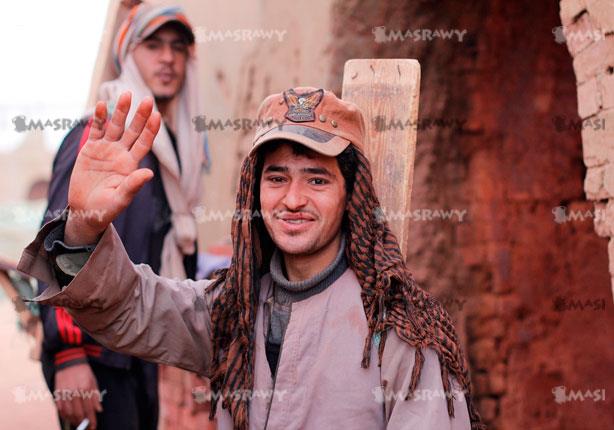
167 55
294 198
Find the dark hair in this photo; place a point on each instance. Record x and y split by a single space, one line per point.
186 35
347 160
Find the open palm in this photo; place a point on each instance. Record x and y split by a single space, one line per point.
106 175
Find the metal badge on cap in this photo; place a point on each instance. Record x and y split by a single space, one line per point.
301 107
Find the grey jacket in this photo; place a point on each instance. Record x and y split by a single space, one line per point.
319 381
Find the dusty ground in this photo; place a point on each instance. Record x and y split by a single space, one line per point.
26 403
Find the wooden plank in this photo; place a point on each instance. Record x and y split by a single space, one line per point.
387 92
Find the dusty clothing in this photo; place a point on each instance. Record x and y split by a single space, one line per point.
319 383
286 292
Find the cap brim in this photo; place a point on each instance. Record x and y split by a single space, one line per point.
320 141
163 20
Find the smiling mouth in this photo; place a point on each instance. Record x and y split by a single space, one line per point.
166 76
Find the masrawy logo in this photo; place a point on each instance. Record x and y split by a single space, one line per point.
382 35
380 395
561 216
202 394
22 124
562 123
23 394
202 123
561 304
454 215
561 395
563 34
381 123
205 35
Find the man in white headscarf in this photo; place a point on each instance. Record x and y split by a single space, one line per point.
154 56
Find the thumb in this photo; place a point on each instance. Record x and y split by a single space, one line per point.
133 183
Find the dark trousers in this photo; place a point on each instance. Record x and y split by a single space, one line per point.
129 399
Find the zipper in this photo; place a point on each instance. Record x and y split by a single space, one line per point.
281 347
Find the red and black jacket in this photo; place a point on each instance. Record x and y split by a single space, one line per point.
142 227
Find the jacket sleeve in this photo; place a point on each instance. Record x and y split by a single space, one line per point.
127 307
427 410
62 337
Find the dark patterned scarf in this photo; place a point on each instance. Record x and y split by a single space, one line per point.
391 297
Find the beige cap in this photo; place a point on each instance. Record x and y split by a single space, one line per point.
312 117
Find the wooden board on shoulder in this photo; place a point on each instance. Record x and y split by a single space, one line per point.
387 92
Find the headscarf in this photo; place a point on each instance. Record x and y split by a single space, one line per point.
391 297
182 186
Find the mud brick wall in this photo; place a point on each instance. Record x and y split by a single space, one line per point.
519 264
511 269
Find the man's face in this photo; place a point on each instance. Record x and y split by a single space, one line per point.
161 60
302 199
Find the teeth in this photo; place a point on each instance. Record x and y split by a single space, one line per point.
296 221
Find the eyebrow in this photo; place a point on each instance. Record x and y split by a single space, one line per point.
171 39
311 170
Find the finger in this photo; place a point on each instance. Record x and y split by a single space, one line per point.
67 407
115 128
61 407
98 121
89 409
145 141
97 398
78 411
138 123
132 184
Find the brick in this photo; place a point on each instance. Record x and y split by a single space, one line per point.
606 90
594 60
570 9
580 34
611 255
594 154
593 184
488 409
496 377
604 219
589 98
598 139
602 12
608 178
484 353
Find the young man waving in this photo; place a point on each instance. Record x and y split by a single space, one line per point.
316 324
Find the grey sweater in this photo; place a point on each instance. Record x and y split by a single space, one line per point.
286 292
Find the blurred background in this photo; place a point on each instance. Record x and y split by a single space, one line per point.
515 140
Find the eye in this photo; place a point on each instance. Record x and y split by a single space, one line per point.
152 45
318 181
180 47
275 179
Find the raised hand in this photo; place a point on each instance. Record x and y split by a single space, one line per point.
106 176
